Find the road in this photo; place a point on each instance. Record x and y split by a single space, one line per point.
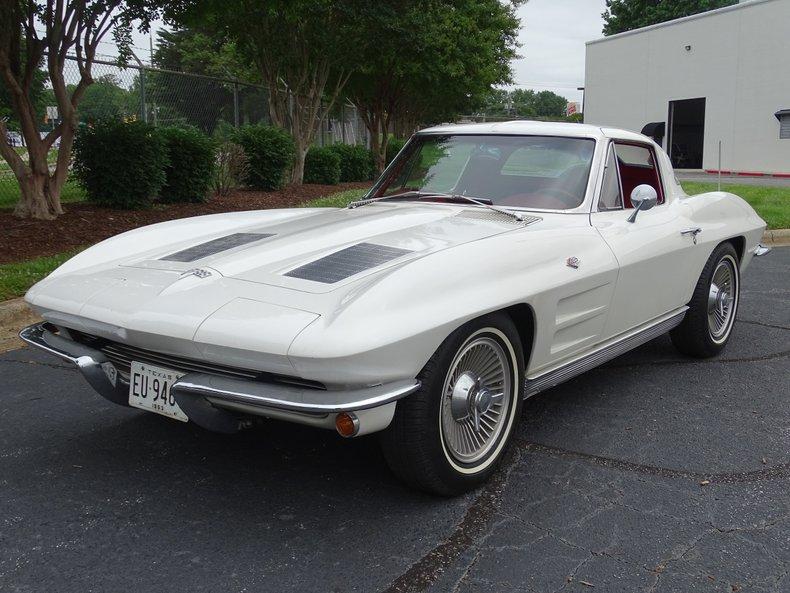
654 473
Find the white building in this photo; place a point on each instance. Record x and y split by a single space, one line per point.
720 76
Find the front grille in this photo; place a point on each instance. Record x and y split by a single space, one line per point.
122 355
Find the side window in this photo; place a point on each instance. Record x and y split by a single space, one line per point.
611 199
637 165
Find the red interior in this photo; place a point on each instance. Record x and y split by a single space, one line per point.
633 175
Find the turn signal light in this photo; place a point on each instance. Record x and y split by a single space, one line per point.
347 424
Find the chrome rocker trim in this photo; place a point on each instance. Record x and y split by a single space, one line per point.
196 392
605 353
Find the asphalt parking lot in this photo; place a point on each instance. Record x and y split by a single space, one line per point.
654 473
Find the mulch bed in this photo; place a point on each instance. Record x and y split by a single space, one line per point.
85 224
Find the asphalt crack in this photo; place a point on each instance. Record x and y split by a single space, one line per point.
694 361
780 471
761 324
425 571
51 365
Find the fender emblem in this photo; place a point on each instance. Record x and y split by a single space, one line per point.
573 262
199 272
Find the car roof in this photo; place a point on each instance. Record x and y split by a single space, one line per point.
542 128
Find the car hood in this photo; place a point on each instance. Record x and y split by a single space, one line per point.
327 250
246 282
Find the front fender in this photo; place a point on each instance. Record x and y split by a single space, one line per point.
388 328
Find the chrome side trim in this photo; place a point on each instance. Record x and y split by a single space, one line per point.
761 249
214 389
603 354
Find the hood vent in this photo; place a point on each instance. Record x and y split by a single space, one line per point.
494 216
215 246
347 262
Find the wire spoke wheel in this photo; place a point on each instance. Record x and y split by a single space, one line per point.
722 299
476 401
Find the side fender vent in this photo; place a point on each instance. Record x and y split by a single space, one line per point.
215 246
347 262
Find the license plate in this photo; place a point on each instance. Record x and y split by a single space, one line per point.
149 389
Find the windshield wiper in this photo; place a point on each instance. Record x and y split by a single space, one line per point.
479 201
418 195
407 195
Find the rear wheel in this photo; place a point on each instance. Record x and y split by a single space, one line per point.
448 437
708 324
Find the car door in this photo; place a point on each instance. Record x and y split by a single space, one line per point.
657 265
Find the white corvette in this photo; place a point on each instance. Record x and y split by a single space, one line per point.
489 262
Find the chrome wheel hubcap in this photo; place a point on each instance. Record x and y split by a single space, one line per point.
721 299
477 397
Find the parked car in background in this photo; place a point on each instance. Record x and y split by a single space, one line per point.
14 139
488 263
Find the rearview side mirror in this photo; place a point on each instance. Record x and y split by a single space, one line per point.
644 197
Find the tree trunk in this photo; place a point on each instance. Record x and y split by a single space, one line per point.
297 174
40 197
40 189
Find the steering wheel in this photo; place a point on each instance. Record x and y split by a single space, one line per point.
557 194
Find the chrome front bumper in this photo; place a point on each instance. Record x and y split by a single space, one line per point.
203 396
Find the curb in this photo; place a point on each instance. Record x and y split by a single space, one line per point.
12 310
14 314
776 237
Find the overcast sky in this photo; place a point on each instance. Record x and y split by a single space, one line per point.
552 37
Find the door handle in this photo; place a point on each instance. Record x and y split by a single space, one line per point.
693 232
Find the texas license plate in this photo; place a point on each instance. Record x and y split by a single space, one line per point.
149 389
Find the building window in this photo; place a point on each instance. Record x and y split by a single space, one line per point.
784 123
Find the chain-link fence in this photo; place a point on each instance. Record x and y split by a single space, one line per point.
165 97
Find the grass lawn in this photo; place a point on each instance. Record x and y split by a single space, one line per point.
16 278
771 203
339 200
9 192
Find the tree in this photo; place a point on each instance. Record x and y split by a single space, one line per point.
548 104
428 60
304 51
197 52
525 103
37 95
33 33
625 15
104 99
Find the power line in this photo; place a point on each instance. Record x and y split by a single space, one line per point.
556 85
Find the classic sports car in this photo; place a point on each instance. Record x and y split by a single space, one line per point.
489 262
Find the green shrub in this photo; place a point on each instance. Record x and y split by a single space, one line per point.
356 162
322 165
191 163
121 165
230 168
393 148
270 154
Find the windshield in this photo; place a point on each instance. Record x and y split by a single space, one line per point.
531 172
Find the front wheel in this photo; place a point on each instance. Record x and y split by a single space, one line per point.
448 436
708 324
